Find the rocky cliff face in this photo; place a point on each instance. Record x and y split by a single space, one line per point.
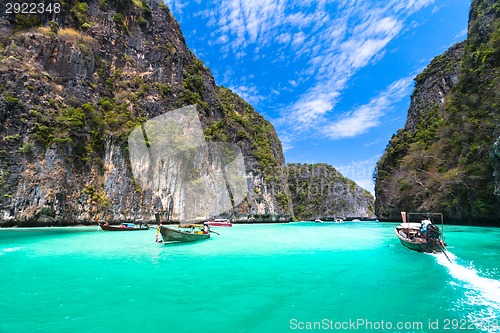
73 86
320 191
495 155
445 157
433 85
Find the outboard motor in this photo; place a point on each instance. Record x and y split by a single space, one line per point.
433 231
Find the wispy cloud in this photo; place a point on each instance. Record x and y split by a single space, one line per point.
245 22
346 53
175 5
286 142
462 34
248 93
364 117
309 110
411 6
329 40
361 172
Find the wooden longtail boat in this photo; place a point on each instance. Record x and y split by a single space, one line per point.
184 233
421 236
219 223
123 227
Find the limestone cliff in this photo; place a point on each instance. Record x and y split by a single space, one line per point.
74 84
445 159
495 155
320 191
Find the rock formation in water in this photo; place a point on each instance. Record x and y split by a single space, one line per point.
74 84
446 158
320 191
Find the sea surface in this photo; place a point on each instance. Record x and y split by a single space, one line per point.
334 277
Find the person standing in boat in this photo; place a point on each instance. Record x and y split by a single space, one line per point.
423 231
158 232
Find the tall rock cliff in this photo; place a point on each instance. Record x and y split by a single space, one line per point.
446 157
73 86
320 191
495 155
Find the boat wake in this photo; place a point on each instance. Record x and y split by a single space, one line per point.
481 292
9 249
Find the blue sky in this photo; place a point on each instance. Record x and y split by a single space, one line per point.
334 77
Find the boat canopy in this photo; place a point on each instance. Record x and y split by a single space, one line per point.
410 225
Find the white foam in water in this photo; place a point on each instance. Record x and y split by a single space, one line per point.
10 249
482 291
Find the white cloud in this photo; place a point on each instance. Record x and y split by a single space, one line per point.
365 117
361 172
249 22
298 39
341 59
411 6
345 49
331 40
353 123
286 142
284 38
462 34
223 39
175 5
248 93
306 112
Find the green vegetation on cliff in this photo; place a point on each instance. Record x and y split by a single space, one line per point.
441 160
75 84
319 190
243 123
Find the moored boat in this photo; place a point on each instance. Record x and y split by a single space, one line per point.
423 236
123 227
184 233
219 223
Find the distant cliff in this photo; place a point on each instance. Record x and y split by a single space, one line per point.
446 158
74 84
320 191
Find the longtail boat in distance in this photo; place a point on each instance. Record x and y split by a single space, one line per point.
219 223
184 233
123 227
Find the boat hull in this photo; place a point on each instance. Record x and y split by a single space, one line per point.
174 235
116 228
219 224
418 244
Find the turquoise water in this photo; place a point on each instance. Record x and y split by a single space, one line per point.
251 278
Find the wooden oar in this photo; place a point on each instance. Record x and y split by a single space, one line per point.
444 251
214 232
